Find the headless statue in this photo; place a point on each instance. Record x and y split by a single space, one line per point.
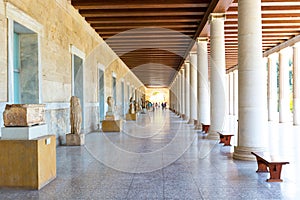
75 115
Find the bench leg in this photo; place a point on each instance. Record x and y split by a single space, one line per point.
275 172
205 128
227 139
222 139
262 167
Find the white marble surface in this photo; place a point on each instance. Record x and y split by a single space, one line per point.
24 133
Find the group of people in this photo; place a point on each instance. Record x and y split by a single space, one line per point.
156 105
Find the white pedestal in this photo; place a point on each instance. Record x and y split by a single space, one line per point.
24 133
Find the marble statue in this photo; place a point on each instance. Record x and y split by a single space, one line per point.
75 115
110 110
131 106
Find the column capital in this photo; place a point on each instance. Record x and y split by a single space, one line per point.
273 55
296 45
214 16
202 39
283 51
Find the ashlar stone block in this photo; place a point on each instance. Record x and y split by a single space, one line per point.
24 114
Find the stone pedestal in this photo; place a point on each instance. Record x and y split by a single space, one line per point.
111 125
29 164
23 133
24 114
131 117
74 139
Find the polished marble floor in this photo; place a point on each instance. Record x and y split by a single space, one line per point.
160 156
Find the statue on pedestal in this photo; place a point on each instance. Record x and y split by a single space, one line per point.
111 123
110 111
131 106
75 115
75 138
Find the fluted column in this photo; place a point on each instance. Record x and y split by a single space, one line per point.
284 89
272 87
230 98
217 81
203 95
235 92
227 84
296 85
175 96
182 93
178 94
193 88
187 90
253 120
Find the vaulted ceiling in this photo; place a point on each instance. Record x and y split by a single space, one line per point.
153 37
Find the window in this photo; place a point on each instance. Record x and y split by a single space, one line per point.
24 64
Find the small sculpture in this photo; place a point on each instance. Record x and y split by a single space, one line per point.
75 115
131 106
110 109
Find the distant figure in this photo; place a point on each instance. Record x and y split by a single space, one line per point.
75 115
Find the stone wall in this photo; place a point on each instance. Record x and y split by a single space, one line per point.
3 54
60 27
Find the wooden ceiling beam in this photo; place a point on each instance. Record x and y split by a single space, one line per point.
157 24
143 12
114 20
90 4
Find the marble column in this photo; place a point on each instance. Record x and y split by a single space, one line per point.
284 88
182 94
227 80
179 93
174 96
217 82
172 101
193 88
235 92
253 121
272 87
187 90
296 84
230 93
203 95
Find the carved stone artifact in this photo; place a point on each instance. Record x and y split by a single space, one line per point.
24 114
75 115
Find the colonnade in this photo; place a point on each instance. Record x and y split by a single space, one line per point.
248 92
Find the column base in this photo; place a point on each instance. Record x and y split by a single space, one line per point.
191 121
213 135
198 126
195 122
244 153
186 118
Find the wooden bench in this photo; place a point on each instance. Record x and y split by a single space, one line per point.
225 138
274 163
205 128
